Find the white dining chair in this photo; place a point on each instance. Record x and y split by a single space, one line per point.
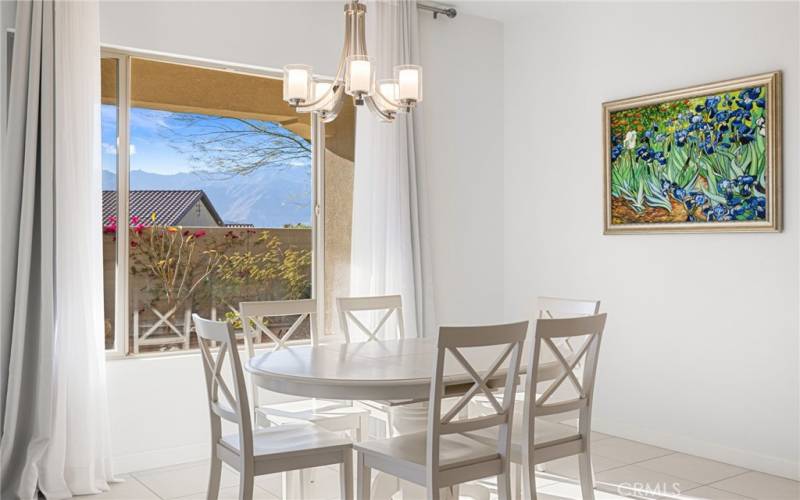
336 416
270 450
559 307
554 308
443 456
536 439
389 305
352 311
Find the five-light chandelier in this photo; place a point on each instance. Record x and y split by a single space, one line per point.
355 76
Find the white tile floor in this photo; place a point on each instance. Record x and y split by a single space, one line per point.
623 469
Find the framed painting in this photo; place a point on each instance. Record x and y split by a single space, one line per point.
699 159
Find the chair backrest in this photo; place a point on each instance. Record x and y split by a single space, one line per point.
254 321
389 304
452 340
233 405
254 317
548 333
556 307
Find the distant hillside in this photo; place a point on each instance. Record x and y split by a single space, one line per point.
270 197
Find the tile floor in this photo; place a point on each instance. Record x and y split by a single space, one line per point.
623 469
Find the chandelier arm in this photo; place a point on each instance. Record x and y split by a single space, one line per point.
362 32
335 93
316 105
386 103
329 116
388 116
348 21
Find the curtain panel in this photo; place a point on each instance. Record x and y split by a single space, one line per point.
55 436
389 252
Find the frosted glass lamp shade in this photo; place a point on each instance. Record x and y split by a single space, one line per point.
322 90
389 89
359 76
297 82
409 81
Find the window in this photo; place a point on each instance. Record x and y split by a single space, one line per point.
212 196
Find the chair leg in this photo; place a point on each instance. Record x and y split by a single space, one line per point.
346 475
364 479
361 431
301 474
246 478
214 475
504 486
389 425
516 480
529 481
587 475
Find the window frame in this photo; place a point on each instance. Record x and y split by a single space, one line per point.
123 55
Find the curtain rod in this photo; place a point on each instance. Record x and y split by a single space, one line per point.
445 11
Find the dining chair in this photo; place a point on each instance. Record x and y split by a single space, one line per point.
268 451
352 311
443 456
535 438
553 308
388 304
558 307
336 416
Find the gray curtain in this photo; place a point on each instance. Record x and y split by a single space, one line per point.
27 254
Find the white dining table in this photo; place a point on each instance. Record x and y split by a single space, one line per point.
387 370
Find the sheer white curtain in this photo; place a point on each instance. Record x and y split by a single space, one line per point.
54 372
389 251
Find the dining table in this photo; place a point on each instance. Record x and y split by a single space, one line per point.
396 371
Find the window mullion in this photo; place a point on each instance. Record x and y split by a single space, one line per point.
318 223
121 299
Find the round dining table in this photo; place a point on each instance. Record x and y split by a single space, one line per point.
386 370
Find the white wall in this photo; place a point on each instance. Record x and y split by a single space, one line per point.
463 127
701 347
157 405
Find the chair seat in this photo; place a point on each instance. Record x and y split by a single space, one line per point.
545 434
285 439
455 450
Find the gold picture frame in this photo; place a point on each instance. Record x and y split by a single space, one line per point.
692 171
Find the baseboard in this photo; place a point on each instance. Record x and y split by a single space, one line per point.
734 456
160 458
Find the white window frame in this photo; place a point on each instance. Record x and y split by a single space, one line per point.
123 55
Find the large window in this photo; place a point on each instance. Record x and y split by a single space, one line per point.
211 196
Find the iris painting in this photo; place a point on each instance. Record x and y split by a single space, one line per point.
695 161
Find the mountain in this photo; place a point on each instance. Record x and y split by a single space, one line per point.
269 197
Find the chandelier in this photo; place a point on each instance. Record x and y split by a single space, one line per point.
355 76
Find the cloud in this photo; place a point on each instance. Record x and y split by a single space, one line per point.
111 149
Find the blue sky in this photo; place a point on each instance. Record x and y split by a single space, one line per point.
151 152
150 147
268 197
